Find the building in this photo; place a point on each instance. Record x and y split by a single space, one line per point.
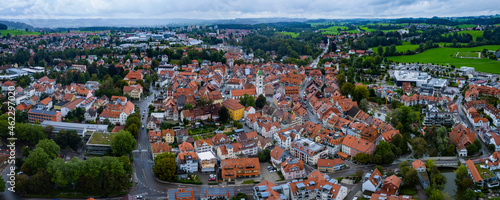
259 83
293 169
134 91
81 129
168 135
317 186
117 113
391 185
352 146
372 181
235 109
278 155
330 165
208 193
389 197
99 143
413 77
159 148
419 166
462 137
181 194
244 167
207 162
186 147
35 115
308 151
476 177
132 77
285 137
187 161
71 106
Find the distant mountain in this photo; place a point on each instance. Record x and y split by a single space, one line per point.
16 25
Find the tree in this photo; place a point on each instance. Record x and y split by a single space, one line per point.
462 178
363 105
264 155
260 102
347 88
50 147
133 129
363 158
188 106
341 79
419 146
90 178
37 159
123 143
239 196
380 51
2 185
165 166
113 176
40 183
223 114
384 153
360 173
436 195
64 173
491 147
472 149
360 92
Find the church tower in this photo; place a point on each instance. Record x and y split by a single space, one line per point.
259 83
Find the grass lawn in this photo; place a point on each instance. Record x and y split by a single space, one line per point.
401 48
196 137
408 190
447 56
474 34
466 26
485 173
17 32
333 30
294 35
367 29
100 138
468 54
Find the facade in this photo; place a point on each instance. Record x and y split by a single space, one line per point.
134 91
244 167
207 162
308 151
35 115
236 110
259 83
373 181
419 166
187 161
293 169
278 155
159 148
330 165
168 135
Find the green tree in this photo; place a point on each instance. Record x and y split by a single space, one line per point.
491 147
419 146
363 158
64 173
133 129
188 106
462 178
123 143
113 176
363 105
436 195
347 88
40 183
384 151
341 79
2 185
37 159
360 92
260 102
165 166
472 149
89 181
264 155
223 114
380 51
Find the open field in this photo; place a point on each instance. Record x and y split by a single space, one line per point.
474 34
100 138
334 30
467 54
447 56
401 48
367 29
17 32
294 35
466 26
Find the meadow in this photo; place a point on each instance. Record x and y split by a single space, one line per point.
466 26
401 48
333 30
17 32
294 35
447 56
474 34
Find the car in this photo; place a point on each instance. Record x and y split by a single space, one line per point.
211 179
138 197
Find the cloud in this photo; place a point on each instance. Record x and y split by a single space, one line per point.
229 9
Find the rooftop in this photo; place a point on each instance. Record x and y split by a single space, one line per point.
101 138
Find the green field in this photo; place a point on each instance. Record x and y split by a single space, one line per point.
294 35
466 26
401 48
474 34
447 56
333 30
468 54
17 32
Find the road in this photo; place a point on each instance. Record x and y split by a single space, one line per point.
314 64
464 118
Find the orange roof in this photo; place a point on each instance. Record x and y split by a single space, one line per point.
357 143
342 155
418 163
330 162
473 171
237 93
186 146
46 101
232 104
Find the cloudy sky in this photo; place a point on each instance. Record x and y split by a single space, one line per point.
229 9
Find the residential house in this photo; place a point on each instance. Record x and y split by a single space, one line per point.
372 181
244 167
45 104
132 77
187 161
317 186
168 135
462 137
209 193
391 185
207 162
278 155
182 135
330 165
352 146
293 169
419 166
476 177
134 91
236 110
307 150
159 148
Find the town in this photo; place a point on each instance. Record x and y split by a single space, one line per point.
234 112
